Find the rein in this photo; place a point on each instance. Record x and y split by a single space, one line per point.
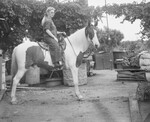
71 45
89 51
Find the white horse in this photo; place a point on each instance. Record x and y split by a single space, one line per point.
26 54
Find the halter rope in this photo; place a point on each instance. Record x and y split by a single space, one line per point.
71 46
90 49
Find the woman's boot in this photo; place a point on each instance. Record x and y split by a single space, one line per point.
57 65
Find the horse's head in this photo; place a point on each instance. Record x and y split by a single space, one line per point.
91 35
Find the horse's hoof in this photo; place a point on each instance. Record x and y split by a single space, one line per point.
81 99
14 102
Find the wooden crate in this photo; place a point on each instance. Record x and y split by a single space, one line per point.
103 61
131 74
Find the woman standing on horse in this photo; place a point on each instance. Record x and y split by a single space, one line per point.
50 37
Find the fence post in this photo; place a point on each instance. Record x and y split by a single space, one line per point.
1 60
2 76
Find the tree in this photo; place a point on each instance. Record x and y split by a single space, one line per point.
22 15
136 46
109 40
132 12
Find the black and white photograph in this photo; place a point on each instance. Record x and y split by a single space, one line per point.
74 60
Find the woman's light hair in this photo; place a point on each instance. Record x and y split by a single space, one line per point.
45 16
50 9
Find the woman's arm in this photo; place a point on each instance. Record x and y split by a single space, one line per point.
58 32
51 35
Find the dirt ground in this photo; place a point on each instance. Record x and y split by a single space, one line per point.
106 100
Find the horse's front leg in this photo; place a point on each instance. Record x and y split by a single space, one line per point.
76 82
16 80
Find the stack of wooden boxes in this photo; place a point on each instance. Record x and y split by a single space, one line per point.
131 74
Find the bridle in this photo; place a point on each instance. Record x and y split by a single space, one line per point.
91 47
89 50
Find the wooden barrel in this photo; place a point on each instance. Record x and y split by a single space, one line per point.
32 75
82 76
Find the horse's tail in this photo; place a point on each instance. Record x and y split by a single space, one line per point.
14 66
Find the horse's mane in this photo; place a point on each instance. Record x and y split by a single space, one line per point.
76 35
77 31
78 40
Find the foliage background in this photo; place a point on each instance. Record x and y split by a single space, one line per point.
131 12
22 15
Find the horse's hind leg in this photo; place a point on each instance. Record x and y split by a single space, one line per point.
16 80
